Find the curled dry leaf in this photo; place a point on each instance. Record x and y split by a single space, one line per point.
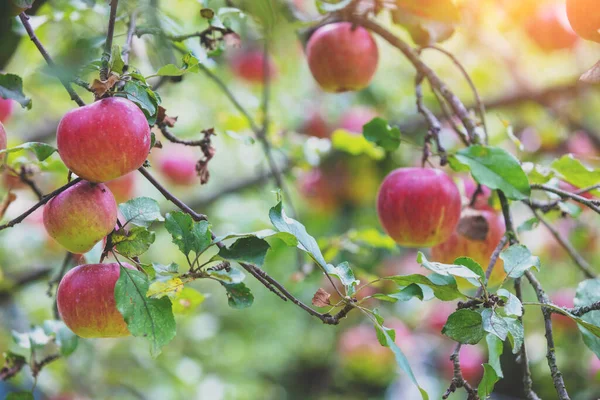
6 202
101 87
163 118
321 298
232 40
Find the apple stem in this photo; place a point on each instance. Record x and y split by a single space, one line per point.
109 40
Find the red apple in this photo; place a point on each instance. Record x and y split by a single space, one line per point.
355 118
81 216
249 66
123 188
471 364
342 57
86 301
178 165
549 28
481 203
584 16
315 125
326 187
418 207
594 367
580 145
476 236
438 316
104 140
6 109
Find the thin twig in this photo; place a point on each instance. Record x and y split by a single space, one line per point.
25 21
581 263
557 377
169 196
130 32
579 311
458 380
432 121
592 204
109 40
43 201
524 359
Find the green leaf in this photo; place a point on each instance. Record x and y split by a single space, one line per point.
486 386
134 242
11 87
405 294
494 168
371 237
447 269
19 396
238 295
41 150
401 359
513 305
66 340
231 276
141 211
444 287
574 172
116 60
518 259
346 276
326 6
528 225
287 238
464 326
473 266
494 324
355 145
187 301
188 235
588 292
379 132
516 333
160 271
143 97
248 249
190 64
495 350
149 318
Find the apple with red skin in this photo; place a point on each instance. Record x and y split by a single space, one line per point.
584 17
123 188
355 118
418 207
438 316
549 28
104 140
248 65
81 216
476 236
472 359
315 125
342 57
86 301
482 200
325 190
6 109
178 165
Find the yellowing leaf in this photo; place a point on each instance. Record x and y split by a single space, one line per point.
170 288
355 144
437 10
187 300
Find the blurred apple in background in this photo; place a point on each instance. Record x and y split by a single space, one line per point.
567 187
563 298
248 65
178 165
315 125
123 188
470 186
355 118
6 109
584 18
438 316
580 145
549 28
342 57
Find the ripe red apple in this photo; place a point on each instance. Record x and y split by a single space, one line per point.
549 28
355 118
104 140
123 188
418 207
438 316
342 57
248 65
178 165
481 203
6 109
584 16
86 301
315 125
476 236
471 361
81 216
324 191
